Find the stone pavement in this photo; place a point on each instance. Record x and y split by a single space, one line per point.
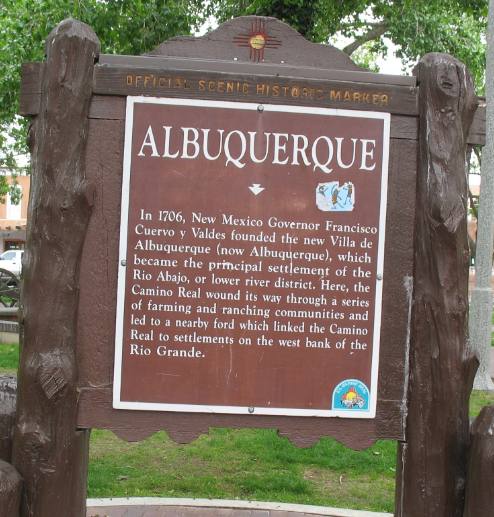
171 507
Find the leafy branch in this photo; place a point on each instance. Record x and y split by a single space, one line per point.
377 30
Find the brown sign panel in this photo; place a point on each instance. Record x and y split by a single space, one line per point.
251 258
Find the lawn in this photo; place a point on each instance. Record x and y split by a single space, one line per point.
249 464
9 358
243 464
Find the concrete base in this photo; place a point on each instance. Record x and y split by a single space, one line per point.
174 507
9 338
9 332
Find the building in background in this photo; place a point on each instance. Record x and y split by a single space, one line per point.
13 217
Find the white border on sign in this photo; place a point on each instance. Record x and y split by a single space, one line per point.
249 106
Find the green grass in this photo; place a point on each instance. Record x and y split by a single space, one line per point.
243 464
249 464
9 358
478 400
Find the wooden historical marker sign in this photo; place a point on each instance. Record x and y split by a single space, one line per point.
251 258
252 255
249 255
248 261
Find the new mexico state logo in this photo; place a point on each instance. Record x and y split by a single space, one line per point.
351 395
257 40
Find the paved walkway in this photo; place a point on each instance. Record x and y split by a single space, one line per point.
171 507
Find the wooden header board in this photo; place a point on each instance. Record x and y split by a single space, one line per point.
295 88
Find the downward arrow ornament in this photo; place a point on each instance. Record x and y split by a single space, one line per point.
256 188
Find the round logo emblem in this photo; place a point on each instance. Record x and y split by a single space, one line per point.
351 395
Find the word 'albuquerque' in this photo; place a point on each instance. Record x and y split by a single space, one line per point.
239 148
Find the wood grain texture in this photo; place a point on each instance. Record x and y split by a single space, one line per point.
214 64
220 44
476 135
95 406
479 500
10 490
8 392
30 94
97 309
432 466
113 80
48 451
112 107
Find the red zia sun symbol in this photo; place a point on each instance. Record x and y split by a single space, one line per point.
257 40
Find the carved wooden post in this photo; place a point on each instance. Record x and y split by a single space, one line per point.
8 391
431 481
10 480
48 450
10 490
479 501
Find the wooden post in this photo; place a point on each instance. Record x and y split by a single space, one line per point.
479 501
8 390
432 461
48 450
10 490
10 480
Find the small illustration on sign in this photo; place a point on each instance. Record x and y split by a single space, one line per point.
352 395
331 197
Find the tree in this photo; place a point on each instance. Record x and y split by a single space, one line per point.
135 26
414 26
123 26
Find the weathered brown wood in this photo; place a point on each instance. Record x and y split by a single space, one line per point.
107 107
95 406
476 135
48 450
8 391
404 127
112 107
479 500
96 321
10 490
287 46
110 80
30 94
432 467
164 63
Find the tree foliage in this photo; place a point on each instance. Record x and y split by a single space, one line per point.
123 26
414 26
135 26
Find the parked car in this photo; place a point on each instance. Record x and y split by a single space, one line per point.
11 260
